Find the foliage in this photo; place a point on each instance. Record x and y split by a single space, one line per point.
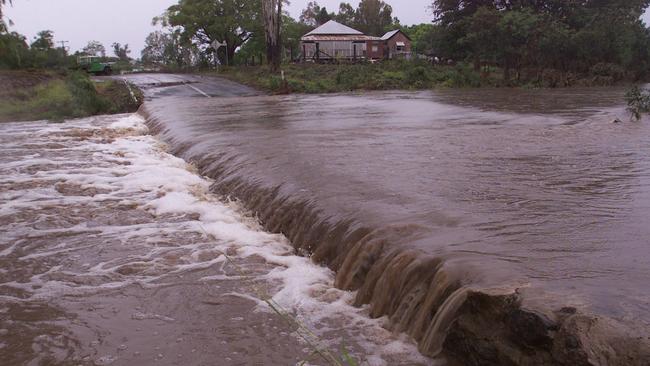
314 15
571 36
15 53
43 41
168 49
638 101
423 37
373 17
121 52
94 48
60 96
202 22
315 78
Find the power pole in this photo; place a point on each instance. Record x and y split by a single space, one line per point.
63 44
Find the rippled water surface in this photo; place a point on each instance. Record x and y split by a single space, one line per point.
537 188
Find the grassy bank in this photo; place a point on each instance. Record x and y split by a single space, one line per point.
404 75
37 95
314 78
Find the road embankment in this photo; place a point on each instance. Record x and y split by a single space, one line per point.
48 95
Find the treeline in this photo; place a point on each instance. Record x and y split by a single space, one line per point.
16 52
545 39
42 53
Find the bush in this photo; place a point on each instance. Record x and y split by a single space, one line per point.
608 71
57 97
638 101
87 100
417 76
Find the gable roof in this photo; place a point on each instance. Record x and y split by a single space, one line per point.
392 34
333 28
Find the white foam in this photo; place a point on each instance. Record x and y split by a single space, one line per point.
164 185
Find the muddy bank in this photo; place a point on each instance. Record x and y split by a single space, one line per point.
463 304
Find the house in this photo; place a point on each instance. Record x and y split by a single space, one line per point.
397 44
335 41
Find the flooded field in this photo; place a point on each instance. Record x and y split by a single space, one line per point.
114 252
421 201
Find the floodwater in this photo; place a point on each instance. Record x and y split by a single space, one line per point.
114 252
369 219
534 189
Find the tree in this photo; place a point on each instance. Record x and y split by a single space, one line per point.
482 35
155 48
3 26
167 49
374 17
204 22
314 15
15 51
600 38
272 14
121 52
346 15
43 41
323 16
423 36
94 48
293 31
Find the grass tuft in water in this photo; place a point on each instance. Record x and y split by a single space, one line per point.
638 102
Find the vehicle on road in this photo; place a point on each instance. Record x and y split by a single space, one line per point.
93 65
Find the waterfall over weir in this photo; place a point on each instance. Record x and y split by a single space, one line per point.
484 235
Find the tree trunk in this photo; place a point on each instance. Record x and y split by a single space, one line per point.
231 54
272 13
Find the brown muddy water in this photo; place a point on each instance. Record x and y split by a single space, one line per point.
422 202
476 227
114 252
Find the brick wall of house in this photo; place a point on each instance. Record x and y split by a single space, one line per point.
391 44
375 50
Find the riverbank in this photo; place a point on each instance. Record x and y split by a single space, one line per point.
48 95
406 75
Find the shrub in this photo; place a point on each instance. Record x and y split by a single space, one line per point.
638 101
607 71
417 76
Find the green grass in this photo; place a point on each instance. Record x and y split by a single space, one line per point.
315 78
62 97
406 75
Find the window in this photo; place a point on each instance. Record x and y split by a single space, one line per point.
375 48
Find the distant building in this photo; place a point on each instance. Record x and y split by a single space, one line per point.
397 44
335 41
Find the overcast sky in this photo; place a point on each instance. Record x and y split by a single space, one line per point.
129 21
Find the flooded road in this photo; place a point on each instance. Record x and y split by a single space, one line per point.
558 197
478 227
534 193
114 252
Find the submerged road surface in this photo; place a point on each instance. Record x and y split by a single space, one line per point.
114 252
496 226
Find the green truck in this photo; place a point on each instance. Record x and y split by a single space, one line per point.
92 65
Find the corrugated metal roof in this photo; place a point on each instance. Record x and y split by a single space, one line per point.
389 35
339 38
333 28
